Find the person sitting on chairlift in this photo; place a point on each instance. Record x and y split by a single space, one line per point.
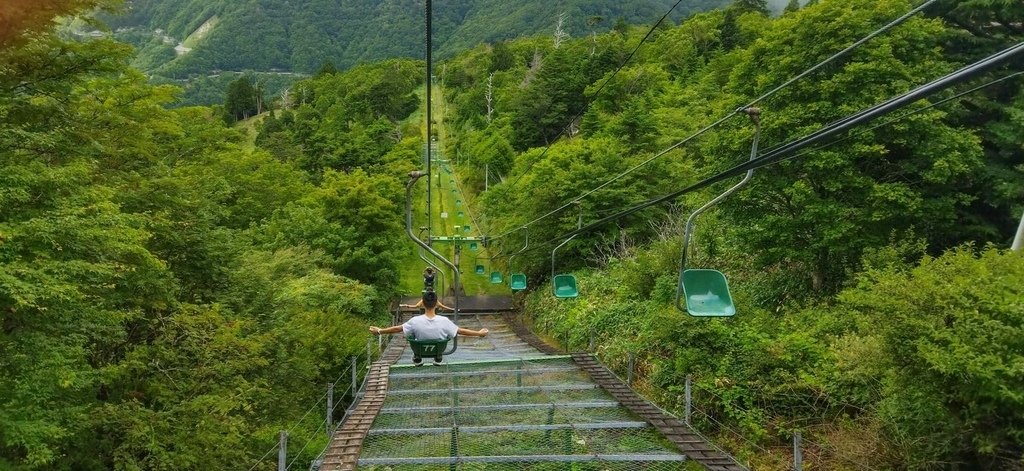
429 326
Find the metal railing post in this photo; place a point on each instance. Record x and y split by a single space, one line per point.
689 399
330 407
282 451
355 373
1018 241
798 455
629 373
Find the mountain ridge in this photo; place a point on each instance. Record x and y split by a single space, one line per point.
301 35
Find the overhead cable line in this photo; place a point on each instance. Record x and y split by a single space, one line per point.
909 114
590 101
791 149
731 114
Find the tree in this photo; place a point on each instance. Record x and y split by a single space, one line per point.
501 58
240 102
868 205
621 26
950 330
730 31
560 34
22 16
327 68
792 6
745 6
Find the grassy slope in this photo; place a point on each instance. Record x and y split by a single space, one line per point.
251 127
412 266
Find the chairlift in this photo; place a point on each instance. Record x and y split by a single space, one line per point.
428 348
473 246
564 285
413 178
465 229
705 292
517 281
480 269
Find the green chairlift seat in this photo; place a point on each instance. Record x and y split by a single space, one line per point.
517 281
480 270
458 202
465 229
496 278
707 293
565 286
428 348
474 246
461 214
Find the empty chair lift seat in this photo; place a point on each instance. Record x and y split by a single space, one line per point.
518 281
480 270
565 286
496 278
707 293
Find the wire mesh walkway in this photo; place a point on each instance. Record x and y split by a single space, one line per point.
499 403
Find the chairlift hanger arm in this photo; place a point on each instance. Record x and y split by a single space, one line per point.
413 178
525 246
789 150
755 116
579 224
739 110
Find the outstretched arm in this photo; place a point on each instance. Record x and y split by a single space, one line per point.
442 306
473 333
418 304
390 330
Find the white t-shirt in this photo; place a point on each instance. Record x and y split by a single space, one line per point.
422 327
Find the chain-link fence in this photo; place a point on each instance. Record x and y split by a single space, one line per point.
533 413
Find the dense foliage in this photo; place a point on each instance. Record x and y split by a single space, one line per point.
173 291
299 35
170 297
848 328
943 177
275 39
910 366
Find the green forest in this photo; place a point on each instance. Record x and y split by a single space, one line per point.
878 309
274 36
177 288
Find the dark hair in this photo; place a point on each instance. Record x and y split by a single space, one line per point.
429 299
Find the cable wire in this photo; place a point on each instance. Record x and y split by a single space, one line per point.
909 114
306 414
265 455
306 445
789 150
731 114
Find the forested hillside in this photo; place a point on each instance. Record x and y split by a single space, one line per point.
171 298
298 36
174 292
877 309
